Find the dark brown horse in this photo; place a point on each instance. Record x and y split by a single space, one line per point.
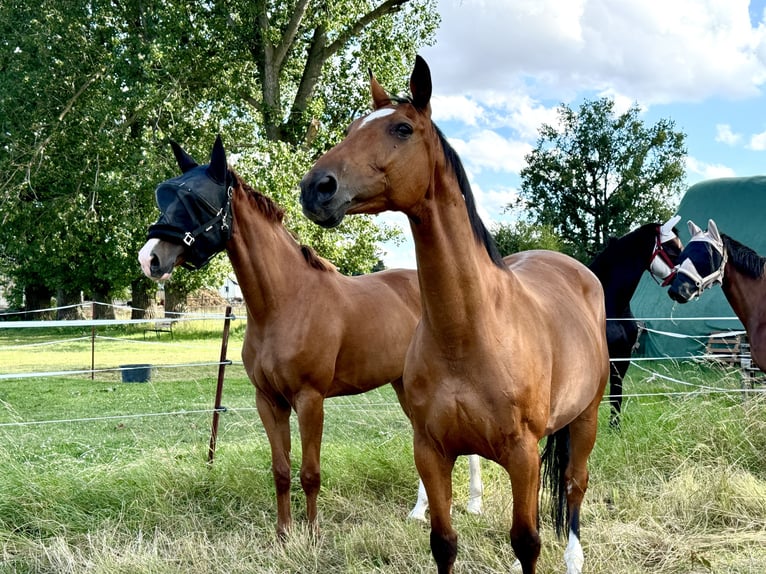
503 355
713 258
312 333
654 247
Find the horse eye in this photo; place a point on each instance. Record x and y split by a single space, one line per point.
402 130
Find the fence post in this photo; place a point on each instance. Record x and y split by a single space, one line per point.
217 408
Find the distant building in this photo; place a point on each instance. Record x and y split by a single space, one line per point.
230 290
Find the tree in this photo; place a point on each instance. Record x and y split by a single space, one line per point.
599 174
522 236
91 91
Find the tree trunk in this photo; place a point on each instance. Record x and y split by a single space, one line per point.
37 296
105 311
65 298
142 302
175 300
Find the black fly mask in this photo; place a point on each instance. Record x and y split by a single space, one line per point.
196 207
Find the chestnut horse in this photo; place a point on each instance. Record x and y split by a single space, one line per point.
503 355
711 257
300 347
654 247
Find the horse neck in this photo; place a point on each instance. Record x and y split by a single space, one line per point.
745 295
455 272
266 259
620 281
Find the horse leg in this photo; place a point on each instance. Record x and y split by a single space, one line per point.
310 409
582 439
523 467
475 486
475 492
275 416
418 512
436 473
617 370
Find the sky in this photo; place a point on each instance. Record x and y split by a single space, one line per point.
500 69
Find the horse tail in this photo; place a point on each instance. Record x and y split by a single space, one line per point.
555 459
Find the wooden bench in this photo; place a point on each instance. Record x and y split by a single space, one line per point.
161 326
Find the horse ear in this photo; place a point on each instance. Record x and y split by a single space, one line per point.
666 229
693 228
420 84
185 161
380 97
712 229
218 167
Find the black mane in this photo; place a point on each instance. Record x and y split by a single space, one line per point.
479 229
633 243
744 259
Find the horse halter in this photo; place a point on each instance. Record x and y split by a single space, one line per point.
198 219
713 245
661 266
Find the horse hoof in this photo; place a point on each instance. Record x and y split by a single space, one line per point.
474 506
417 514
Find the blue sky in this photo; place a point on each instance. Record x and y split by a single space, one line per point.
500 68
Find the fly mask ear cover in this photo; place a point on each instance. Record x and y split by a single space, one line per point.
661 266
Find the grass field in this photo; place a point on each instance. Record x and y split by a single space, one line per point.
100 476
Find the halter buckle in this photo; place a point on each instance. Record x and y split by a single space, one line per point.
188 239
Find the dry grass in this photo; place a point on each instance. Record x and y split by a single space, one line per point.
681 489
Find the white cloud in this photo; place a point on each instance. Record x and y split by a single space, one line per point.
758 142
724 134
488 150
652 51
457 108
699 170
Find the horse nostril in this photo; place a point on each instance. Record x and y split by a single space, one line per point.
154 264
327 186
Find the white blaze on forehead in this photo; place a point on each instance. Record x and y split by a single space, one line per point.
145 256
382 113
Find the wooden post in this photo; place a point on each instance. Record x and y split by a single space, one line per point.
217 408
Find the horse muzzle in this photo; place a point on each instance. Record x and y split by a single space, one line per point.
682 290
320 198
158 259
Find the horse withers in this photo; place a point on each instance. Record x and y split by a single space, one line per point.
506 352
295 352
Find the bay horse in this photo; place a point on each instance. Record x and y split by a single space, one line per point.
619 266
505 353
300 346
710 258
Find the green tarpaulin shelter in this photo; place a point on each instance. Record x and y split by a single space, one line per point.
738 206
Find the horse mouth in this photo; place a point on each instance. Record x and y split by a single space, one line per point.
675 294
326 219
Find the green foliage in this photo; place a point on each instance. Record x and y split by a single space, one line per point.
90 92
597 174
522 236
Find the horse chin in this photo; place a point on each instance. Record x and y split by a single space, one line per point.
679 292
325 218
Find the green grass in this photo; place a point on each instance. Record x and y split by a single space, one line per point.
123 488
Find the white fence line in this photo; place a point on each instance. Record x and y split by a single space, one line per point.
93 323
